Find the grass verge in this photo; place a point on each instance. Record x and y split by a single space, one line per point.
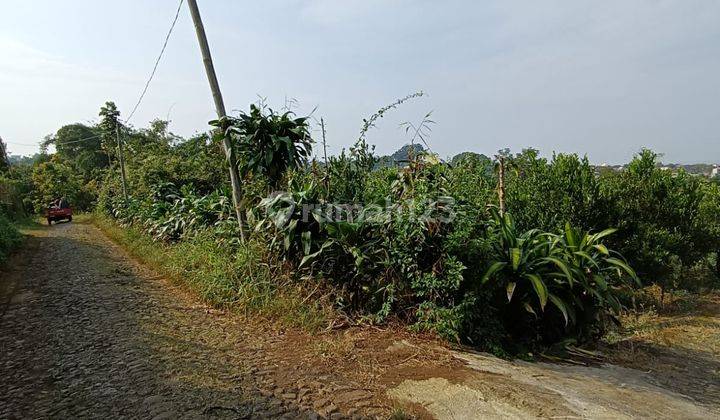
237 279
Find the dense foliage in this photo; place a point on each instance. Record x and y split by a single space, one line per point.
9 237
408 237
11 205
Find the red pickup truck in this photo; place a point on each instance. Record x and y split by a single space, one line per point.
58 211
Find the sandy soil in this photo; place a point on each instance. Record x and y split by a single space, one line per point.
85 331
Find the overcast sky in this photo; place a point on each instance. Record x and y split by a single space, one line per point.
603 78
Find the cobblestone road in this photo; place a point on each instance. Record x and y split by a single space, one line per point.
84 333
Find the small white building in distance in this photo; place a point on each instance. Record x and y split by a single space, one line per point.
714 171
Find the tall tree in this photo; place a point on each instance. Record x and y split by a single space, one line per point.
81 146
111 126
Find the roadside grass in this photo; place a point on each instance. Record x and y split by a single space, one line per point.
237 279
30 224
686 322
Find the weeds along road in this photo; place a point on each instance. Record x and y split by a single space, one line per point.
85 332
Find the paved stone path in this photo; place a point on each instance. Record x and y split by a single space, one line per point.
85 332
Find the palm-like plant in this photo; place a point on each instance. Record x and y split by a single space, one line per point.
573 270
268 143
584 262
520 260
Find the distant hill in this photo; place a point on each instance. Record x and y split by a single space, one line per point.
400 157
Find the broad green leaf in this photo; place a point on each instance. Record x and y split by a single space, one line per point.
560 305
515 254
497 265
306 237
590 259
570 235
621 264
604 233
539 287
562 266
602 248
307 258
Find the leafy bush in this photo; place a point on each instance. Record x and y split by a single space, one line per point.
11 202
173 214
9 237
546 195
268 144
349 173
658 217
573 271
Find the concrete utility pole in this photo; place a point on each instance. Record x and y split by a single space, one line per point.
220 109
122 161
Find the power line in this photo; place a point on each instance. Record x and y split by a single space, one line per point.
79 140
62 143
20 144
152 74
142 94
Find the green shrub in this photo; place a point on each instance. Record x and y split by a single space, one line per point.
10 238
56 178
267 143
574 272
546 195
659 218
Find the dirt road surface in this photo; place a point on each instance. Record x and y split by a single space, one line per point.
86 331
